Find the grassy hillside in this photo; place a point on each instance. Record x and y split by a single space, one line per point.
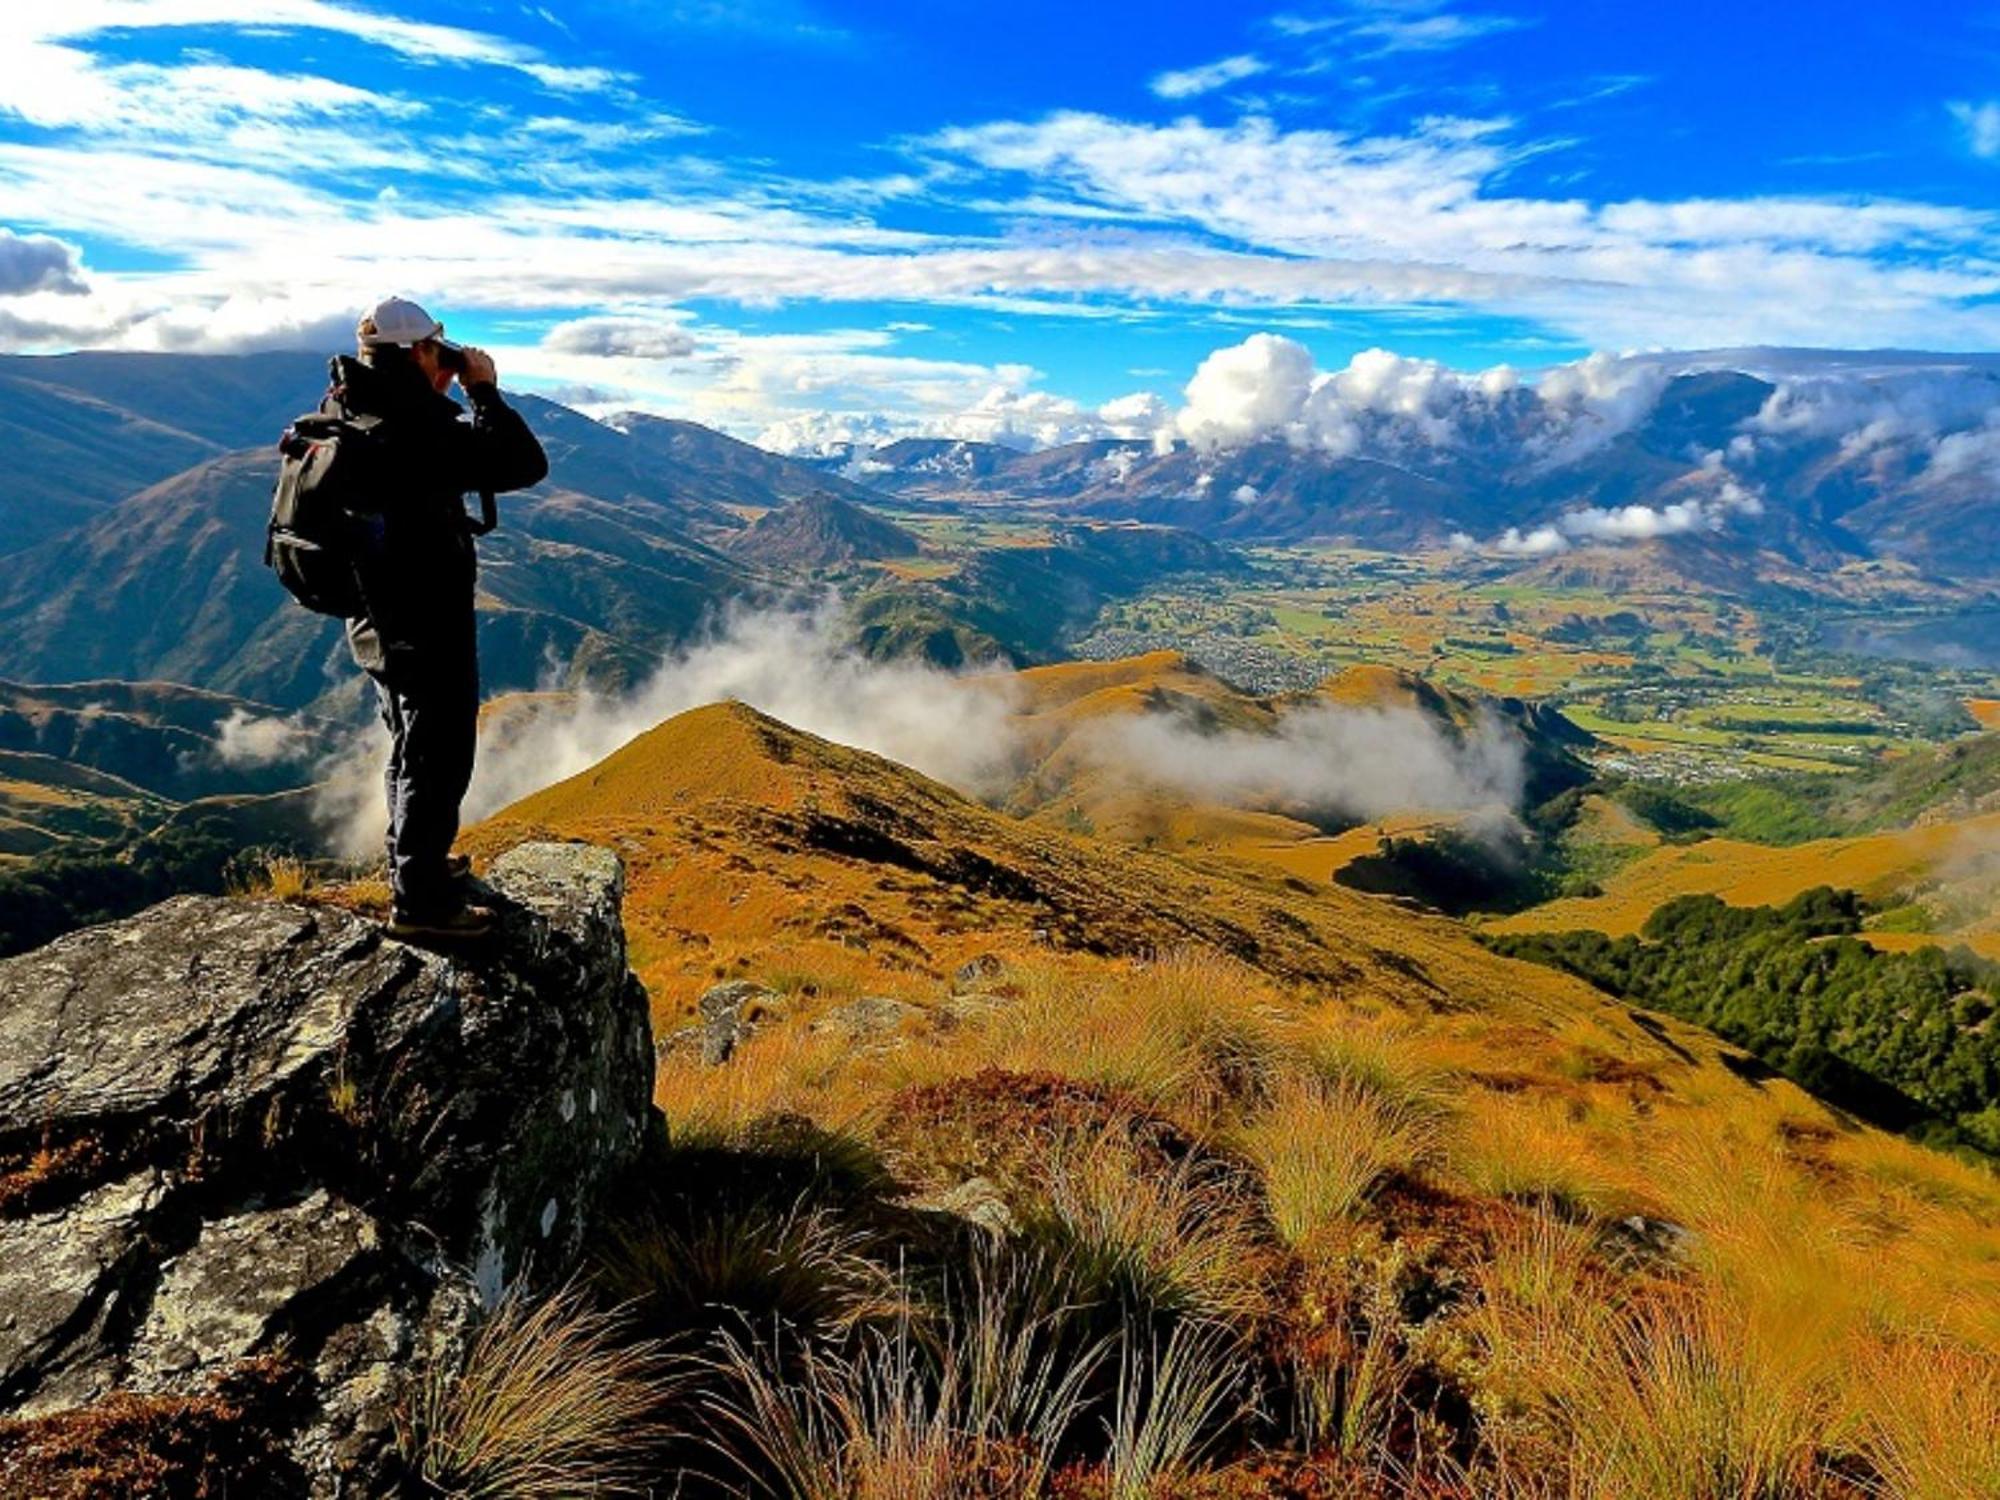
1045 1166
1744 874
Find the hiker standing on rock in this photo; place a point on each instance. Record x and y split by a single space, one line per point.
415 566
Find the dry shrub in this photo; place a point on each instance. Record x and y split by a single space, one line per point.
1346 1359
1321 1148
218 1443
553 1400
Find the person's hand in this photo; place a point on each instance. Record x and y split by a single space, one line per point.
478 367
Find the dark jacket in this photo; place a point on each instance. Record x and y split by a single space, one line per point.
417 567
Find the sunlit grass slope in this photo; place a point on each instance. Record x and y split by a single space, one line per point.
1744 874
1287 1191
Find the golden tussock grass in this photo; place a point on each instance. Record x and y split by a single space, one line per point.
1320 1148
1183 1241
1928 1414
276 877
1674 1401
1817 1265
1535 1147
553 1401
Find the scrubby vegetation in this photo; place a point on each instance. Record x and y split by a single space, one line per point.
1175 1229
56 893
1905 1039
1790 809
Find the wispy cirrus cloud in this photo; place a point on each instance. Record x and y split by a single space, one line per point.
44 28
1187 83
1380 28
1435 199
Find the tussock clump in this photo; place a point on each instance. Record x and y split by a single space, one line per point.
1321 1148
1674 1402
797 1268
1531 1149
1175 1402
276 877
1178 1243
977 1406
554 1400
1929 1419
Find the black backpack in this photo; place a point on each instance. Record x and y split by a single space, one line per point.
327 467
330 472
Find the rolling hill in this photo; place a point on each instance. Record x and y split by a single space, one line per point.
820 530
741 832
1073 715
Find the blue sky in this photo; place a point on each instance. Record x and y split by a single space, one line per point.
805 220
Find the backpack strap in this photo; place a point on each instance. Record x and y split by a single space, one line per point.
489 515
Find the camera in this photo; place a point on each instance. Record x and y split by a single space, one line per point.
451 356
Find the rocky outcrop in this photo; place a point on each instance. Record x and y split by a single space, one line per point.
234 1128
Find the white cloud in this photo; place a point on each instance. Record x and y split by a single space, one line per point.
1939 421
1246 392
416 41
1390 405
1981 124
1540 542
247 739
1186 83
1437 33
1362 762
790 664
1007 413
1714 496
1698 272
961 729
629 338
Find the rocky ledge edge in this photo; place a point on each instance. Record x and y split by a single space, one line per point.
237 1132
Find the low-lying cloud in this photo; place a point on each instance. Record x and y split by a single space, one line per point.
1716 495
1323 758
1381 403
244 740
790 664
960 728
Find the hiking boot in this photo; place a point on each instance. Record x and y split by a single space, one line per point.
463 924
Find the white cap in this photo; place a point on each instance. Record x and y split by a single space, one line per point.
397 320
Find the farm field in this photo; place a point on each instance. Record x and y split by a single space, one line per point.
1684 687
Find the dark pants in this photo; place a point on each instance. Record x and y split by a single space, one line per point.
432 715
